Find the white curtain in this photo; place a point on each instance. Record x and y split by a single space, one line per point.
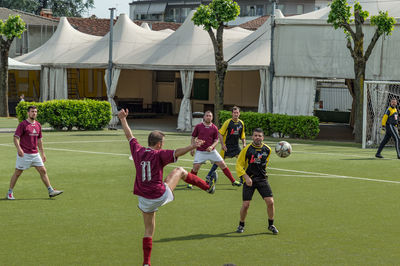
293 96
111 93
185 112
263 101
53 84
44 84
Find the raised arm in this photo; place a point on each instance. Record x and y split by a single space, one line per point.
122 115
194 144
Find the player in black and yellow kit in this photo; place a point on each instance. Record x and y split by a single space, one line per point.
252 166
229 135
390 121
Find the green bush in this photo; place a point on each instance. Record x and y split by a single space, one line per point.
304 127
82 114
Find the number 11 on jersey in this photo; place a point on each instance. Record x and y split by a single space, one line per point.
146 170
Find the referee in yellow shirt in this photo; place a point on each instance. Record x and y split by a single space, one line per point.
390 121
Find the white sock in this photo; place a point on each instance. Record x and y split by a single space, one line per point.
50 189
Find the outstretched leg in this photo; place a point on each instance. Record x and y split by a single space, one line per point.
180 173
228 173
15 177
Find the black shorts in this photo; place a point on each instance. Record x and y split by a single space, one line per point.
232 151
261 184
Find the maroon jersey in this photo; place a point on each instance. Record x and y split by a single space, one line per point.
149 165
207 133
28 134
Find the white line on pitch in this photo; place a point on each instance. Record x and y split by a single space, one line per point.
324 175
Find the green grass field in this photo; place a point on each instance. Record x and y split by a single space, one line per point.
335 205
8 122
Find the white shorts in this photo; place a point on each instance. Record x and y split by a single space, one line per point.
204 156
28 160
152 205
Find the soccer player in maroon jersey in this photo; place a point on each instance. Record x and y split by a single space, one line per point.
149 186
208 132
27 139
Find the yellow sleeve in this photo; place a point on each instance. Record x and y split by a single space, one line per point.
384 119
386 116
224 127
270 151
243 136
241 163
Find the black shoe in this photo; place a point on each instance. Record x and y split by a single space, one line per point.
236 183
273 229
240 229
378 155
211 182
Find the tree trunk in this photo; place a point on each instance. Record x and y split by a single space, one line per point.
350 87
221 67
359 71
219 91
4 81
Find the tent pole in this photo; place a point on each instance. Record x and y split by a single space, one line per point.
110 47
271 64
110 60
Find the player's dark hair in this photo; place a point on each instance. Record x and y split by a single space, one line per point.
155 137
258 130
31 107
235 108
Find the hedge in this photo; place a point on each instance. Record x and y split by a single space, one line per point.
82 114
304 127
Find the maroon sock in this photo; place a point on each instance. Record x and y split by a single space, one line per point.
147 246
197 181
228 174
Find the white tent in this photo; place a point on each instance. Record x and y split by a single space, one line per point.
16 65
188 48
61 48
54 55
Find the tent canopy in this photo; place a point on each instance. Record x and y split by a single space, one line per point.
16 65
58 49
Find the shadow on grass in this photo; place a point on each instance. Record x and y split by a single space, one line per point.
95 135
232 234
361 159
5 199
217 187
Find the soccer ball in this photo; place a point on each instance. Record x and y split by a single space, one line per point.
283 149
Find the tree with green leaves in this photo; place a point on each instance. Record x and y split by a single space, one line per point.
340 16
60 8
13 27
214 16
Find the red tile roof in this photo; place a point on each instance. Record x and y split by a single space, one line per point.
254 24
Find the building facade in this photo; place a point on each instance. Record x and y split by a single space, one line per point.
38 30
178 10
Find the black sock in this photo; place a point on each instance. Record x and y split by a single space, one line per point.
270 222
241 224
